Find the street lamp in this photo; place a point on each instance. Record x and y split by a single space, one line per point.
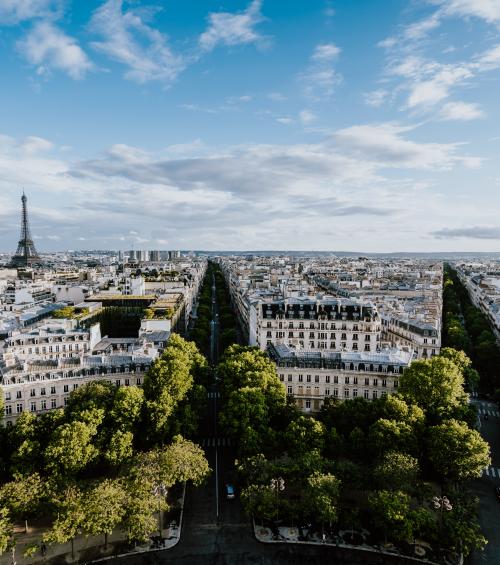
441 503
277 485
160 490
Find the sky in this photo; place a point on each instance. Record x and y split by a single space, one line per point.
367 125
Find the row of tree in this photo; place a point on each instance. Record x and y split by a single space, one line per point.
372 463
468 329
103 458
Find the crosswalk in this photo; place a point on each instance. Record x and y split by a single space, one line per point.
489 411
214 395
215 442
492 472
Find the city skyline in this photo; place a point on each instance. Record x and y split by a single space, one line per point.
213 127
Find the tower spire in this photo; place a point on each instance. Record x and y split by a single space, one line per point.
26 254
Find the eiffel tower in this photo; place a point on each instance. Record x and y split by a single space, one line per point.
26 254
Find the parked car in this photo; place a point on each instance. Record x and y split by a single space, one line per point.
229 491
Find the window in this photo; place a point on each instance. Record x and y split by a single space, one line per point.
52 390
118 382
53 402
282 378
366 394
335 392
75 386
327 379
384 382
301 378
43 405
316 378
308 404
367 347
19 394
308 378
7 396
347 380
138 381
8 409
19 408
335 379
290 378
32 392
66 388
290 390
355 380
127 382
396 383
346 393
374 394
354 392
367 382
32 406
66 400
42 391
375 382
327 392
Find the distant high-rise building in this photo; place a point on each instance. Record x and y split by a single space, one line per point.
26 254
154 256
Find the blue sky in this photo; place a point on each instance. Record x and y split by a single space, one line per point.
371 125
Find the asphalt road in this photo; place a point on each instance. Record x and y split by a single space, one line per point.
484 488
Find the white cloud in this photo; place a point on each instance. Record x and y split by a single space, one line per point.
320 78
276 96
488 10
33 144
49 48
128 40
385 144
473 232
285 120
461 111
307 117
420 29
16 11
490 60
376 98
325 52
226 28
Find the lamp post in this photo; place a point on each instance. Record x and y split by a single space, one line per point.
160 490
277 485
441 504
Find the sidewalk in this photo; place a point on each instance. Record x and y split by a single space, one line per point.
291 535
91 549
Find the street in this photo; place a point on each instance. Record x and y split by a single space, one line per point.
484 488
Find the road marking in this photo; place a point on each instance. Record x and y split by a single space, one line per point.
492 471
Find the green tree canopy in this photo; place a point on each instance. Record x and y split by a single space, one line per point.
457 452
435 384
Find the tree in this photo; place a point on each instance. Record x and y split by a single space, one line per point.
391 511
104 508
127 406
393 434
120 448
181 461
304 434
93 395
6 530
322 494
70 449
259 501
70 517
140 503
396 471
435 384
457 452
22 496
